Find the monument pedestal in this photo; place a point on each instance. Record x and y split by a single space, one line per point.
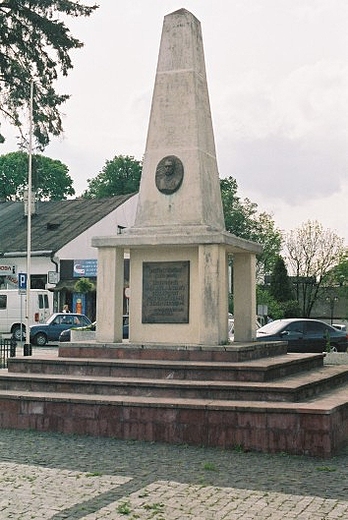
252 396
179 287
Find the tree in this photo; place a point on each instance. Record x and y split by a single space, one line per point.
84 285
311 252
338 275
264 297
51 179
280 286
282 291
335 283
243 219
119 176
34 44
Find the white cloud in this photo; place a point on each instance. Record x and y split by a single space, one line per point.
288 139
278 81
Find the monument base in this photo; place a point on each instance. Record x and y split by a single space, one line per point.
252 396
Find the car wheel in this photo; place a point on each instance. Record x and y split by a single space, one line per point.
40 339
16 333
333 348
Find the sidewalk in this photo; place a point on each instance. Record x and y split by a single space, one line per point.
52 476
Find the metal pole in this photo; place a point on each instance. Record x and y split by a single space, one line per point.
27 346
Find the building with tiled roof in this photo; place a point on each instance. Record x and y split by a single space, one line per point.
61 233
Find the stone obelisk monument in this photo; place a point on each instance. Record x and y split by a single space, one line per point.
178 246
180 127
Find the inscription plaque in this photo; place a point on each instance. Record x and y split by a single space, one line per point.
166 292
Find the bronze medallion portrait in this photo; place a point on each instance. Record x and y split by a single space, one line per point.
169 174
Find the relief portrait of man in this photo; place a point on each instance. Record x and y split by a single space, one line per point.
169 174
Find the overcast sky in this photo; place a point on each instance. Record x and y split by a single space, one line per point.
278 84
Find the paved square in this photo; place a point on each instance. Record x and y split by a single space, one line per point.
49 476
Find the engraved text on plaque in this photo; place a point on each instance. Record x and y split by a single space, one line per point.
166 292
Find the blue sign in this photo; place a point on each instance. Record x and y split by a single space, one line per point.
85 268
22 281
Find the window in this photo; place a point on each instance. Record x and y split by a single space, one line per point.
38 281
314 327
296 326
43 301
67 320
3 301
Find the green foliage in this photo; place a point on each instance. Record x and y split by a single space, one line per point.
338 275
290 309
281 293
34 46
277 309
243 219
280 287
124 508
84 285
51 179
237 213
209 466
263 297
119 176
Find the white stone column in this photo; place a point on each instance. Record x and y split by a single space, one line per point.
244 293
110 294
213 292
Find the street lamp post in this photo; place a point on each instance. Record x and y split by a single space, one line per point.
27 345
331 301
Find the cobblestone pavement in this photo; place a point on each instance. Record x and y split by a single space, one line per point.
52 476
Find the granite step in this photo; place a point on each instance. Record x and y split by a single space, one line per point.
274 403
294 388
317 427
263 369
237 352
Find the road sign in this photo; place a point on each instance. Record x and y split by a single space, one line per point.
52 277
22 282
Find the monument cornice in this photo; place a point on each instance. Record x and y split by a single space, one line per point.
159 237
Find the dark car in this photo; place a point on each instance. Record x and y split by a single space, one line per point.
304 335
66 334
50 331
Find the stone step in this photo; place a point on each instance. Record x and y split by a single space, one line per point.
295 388
263 369
224 353
316 427
282 402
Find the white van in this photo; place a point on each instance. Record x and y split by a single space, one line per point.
13 309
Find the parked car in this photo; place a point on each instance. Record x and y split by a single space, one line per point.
339 326
50 331
304 335
65 335
231 326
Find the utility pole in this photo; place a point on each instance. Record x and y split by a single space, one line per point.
27 345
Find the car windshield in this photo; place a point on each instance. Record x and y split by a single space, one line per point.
50 319
272 327
67 319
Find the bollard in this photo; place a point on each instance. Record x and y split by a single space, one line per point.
13 345
27 350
